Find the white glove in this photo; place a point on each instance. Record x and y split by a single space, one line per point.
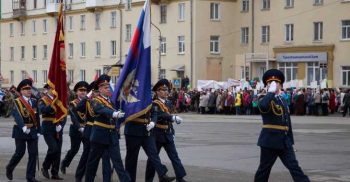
81 130
39 135
118 114
58 128
150 126
24 129
177 119
272 87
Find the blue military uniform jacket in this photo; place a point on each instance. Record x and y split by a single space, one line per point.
48 115
26 114
104 130
164 130
137 126
277 129
78 118
84 106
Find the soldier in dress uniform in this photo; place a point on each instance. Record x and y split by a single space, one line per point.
164 132
26 130
84 106
76 129
105 134
276 137
138 133
52 134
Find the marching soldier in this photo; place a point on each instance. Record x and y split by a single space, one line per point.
104 135
84 106
52 134
26 131
76 129
164 132
276 137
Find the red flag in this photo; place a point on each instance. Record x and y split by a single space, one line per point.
57 72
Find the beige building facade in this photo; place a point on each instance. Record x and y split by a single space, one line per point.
201 39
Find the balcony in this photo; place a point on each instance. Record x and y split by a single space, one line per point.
93 5
52 8
19 9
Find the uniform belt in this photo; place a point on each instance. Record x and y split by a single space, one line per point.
103 125
49 119
276 127
162 126
140 121
90 123
82 124
30 125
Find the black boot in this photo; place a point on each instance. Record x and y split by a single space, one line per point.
63 168
45 173
56 177
9 173
181 180
166 178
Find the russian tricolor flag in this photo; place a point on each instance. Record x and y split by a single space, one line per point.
132 93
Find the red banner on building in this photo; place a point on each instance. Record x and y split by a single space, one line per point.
57 72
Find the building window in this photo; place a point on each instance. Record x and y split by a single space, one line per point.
70 49
34 27
163 13
82 75
23 50
265 4
181 12
45 76
345 72
318 31
22 28
35 76
289 4
113 48
44 51
97 73
316 72
98 48
71 76
318 2
70 24
246 75
214 11
128 33
265 34
214 44
34 4
12 53
34 52
11 29
290 70
162 74
245 6
181 43
345 28
82 22
24 74
44 26
128 5
82 50
12 77
163 45
244 35
97 21
289 28
113 19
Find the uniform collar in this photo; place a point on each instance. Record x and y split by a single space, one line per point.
26 98
162 100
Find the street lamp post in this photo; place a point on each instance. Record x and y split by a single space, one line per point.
159 51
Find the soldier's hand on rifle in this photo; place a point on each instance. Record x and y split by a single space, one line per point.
272 87
177 119
58 128
150 126
25 130
81 130
118 114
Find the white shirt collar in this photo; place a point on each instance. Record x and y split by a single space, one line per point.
161 100
104 97
26 98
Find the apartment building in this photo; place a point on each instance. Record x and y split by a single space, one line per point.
201 39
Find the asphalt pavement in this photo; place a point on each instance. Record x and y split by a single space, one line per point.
222 148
